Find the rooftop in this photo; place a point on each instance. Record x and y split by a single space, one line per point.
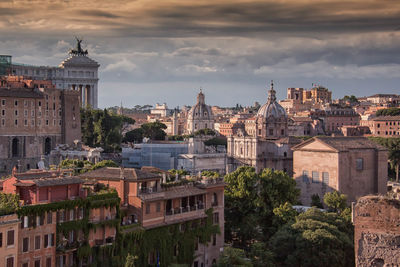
113 173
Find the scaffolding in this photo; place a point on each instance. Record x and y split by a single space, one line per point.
5 65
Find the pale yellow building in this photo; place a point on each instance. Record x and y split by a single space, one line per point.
9 240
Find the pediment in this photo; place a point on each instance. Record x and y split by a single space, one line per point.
314 145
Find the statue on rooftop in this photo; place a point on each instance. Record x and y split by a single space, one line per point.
78 51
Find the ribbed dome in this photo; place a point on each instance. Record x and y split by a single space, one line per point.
200 110
271 108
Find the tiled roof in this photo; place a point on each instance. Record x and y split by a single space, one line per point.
342 143
111 173
387 118
54 181
183 191
20 92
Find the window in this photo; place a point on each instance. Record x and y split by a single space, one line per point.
158 206
3 112
214 242
26 113
10 262
3 102
10 238
3 122
359 164
26 264
282 132
49 217
305 177
37 242
16 103
147 208
48 240
48 262
32 113
325 178
216 218
25 244
271 131
25 122
37 263
1 240
315 177
16 122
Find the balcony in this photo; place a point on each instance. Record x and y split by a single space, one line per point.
184 213
148 190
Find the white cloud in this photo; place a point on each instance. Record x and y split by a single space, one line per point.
123 65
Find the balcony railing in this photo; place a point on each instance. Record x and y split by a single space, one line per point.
184 209
148 190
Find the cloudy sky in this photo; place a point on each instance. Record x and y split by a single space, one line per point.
164 51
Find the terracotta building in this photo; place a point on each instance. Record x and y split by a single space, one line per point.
384 126
336 116
41 238
146 201
354 166
9 240
34 118
376 231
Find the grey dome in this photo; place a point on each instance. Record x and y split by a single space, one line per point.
200 110
271 108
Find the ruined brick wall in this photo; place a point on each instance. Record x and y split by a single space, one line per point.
377 231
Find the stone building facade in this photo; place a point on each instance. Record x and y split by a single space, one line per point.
78 72
9 240
34 118
354 166
376 231
264 141
200 116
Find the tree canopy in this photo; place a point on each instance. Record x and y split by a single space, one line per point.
206 131
82 166
103 129
8 203
388 112
393 145
316 238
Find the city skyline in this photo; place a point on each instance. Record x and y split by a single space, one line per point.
164 52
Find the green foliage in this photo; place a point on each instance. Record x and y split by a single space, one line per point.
154 130
179 172
179 137
335 201
206 131
250 199
351 99
260 255
9 203
393 145
210 174
233 257
315 239
216 141
284 214
130 261
82 166
102 129
104 163
134 136
316 201
388 112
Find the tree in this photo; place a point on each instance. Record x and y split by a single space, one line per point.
241 217
154 130
104 163
8 203
388 112
393 145
316 201
130 261
233 257
335 201
260 255
216 141
351 99
315 239
134 136
206 131
79 166
210 174
284 214
275 189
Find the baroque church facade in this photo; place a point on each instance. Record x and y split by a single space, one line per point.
264 141
200 116
78 72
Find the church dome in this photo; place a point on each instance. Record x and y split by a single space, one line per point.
200 111
271 108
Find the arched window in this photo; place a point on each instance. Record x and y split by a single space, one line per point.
47 146
15 147
285 154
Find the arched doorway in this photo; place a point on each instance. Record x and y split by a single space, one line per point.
47 146
15 147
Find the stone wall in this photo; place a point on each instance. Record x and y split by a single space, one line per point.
377 231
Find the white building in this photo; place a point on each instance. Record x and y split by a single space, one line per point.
77 72
200 116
